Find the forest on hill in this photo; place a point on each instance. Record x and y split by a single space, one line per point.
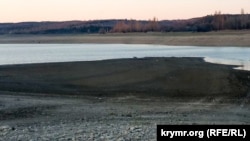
208 23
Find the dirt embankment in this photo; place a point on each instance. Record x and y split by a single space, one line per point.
176 77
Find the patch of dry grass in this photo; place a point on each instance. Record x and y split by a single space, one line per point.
222 38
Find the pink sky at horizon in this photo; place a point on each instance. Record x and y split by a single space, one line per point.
64 10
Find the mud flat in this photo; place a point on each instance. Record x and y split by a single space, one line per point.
119 99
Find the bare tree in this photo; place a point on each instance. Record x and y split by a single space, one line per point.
242 12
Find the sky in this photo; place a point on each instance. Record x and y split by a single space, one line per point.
64 10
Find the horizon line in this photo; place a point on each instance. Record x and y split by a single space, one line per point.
30 21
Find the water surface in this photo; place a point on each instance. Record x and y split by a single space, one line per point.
44 53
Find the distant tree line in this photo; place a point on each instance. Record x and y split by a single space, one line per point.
215 22
68 27
220 21
137 26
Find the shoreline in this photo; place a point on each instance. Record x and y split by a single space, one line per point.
221 38
236 64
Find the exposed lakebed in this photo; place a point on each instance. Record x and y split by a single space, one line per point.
118 99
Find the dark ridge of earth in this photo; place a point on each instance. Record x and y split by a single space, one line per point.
168 77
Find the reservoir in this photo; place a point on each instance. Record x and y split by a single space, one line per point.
46 53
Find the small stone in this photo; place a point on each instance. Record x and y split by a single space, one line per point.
5 128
